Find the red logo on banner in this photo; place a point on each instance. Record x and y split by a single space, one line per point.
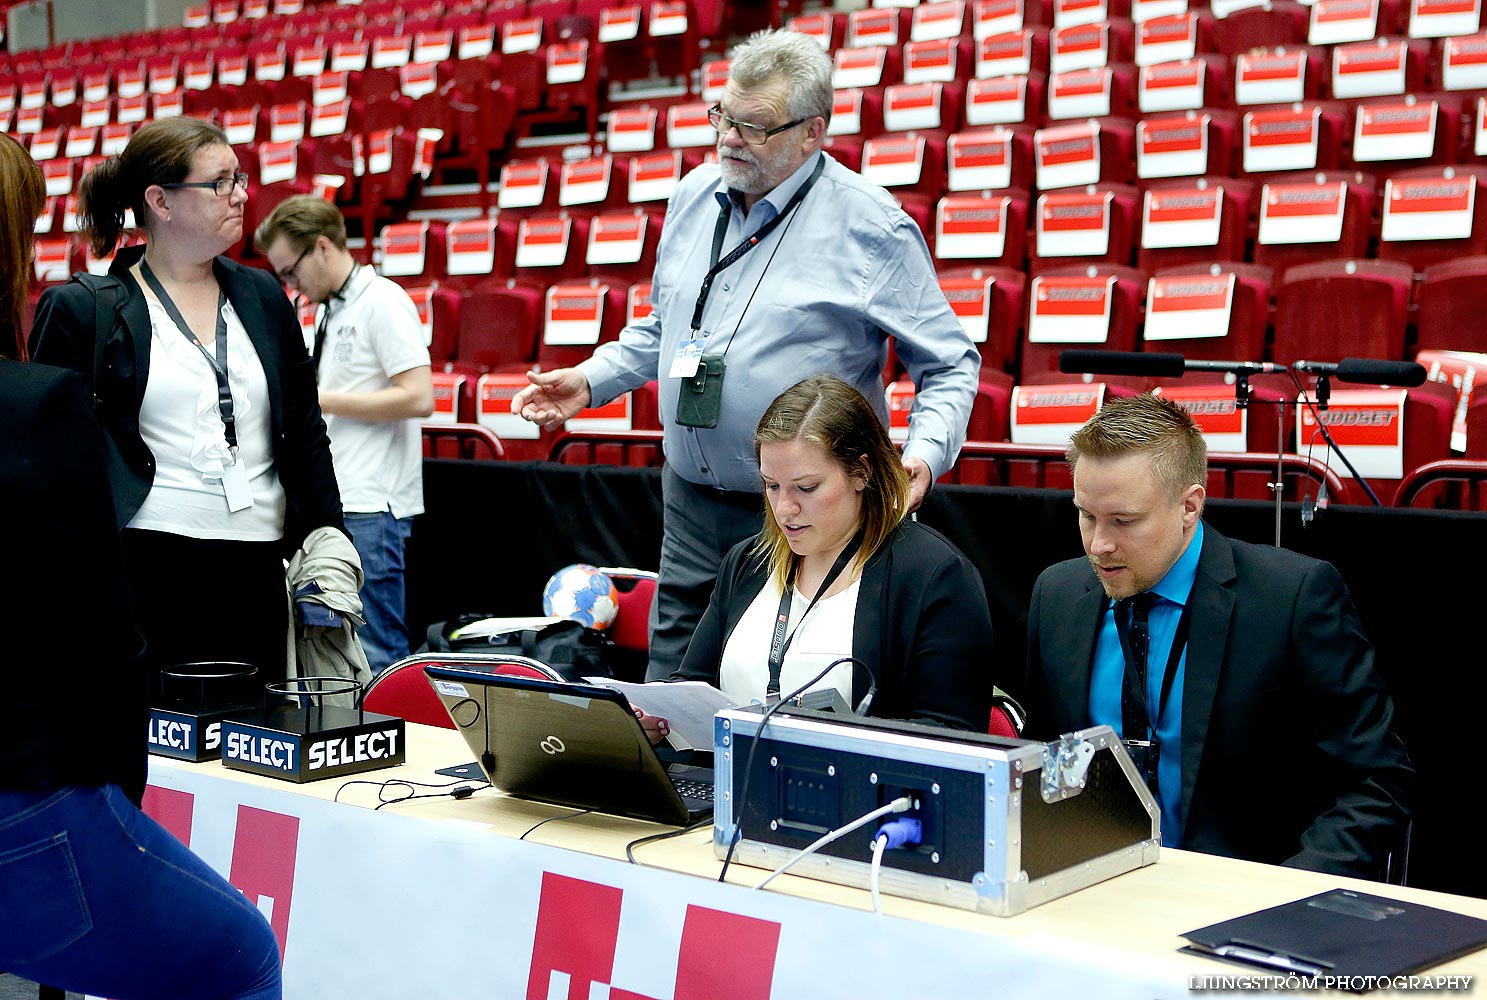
265 848
724 956
263 856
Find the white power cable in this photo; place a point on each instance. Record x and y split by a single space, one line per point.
878 845
901 804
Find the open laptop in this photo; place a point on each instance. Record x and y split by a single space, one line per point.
576 745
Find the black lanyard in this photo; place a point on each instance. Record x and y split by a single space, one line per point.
1134 680
218 365
749 242
324 325
780 642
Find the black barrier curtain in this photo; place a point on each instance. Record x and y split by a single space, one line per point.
495 531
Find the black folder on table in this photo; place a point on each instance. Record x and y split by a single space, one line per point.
1342 933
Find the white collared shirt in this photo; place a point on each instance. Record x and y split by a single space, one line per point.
824 635
373 334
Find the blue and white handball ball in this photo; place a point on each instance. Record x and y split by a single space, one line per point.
582 593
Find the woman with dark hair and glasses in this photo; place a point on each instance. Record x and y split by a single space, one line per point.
838 572
218 455
94 896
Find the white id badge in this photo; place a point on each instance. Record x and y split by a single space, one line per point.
235 485
688 356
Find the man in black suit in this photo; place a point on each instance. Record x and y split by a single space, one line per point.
1260 722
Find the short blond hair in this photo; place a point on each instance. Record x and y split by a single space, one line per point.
302 219
1150 425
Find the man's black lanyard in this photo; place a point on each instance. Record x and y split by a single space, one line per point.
324 325
780 642
749 242
218 365
1134 680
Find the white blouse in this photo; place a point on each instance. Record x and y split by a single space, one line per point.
180 423
824 635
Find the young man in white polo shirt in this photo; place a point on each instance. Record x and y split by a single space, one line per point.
375 389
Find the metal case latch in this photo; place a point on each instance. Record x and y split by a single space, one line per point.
1064 765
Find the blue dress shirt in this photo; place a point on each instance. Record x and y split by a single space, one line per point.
822 293
1109 670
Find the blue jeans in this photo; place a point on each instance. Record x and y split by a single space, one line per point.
379 539
96 897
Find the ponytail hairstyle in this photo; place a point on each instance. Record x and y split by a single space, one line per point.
159 153
25 196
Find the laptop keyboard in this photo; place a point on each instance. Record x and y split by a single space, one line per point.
702 791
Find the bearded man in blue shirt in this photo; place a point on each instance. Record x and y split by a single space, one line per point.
774 264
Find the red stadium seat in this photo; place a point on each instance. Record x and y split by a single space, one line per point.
990 159
984 227
1450 300
1195 325
623 244
1276 22
1093 307
1190 221
1092 224
498 327
637 587
989 301
1433 215
1187 144
577 316
1476 425
478 250
413 253
1332 309
1313 217
551 248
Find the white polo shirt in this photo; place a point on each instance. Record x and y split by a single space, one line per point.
373 334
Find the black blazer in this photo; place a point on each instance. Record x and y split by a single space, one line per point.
1288 755
63 335
73 683
921 628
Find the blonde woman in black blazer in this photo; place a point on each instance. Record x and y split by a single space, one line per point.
836 495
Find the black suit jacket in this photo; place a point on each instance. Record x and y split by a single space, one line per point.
63 335
921 628
1288 755
72 669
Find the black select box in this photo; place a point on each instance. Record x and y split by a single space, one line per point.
308 744
194 734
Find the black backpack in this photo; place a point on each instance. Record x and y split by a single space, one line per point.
572 650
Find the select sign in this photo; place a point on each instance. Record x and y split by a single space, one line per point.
377 742
193 736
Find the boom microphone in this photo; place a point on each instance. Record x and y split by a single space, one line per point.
1154 364
1366 371
1120 363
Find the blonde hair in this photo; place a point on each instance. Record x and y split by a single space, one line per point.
302 220
25 196
1148 425
834 415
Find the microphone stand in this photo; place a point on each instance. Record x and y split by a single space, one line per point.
1323 393
1164 365
1242 401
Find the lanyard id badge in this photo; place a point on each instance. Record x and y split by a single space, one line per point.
700 400
688 356
235 487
